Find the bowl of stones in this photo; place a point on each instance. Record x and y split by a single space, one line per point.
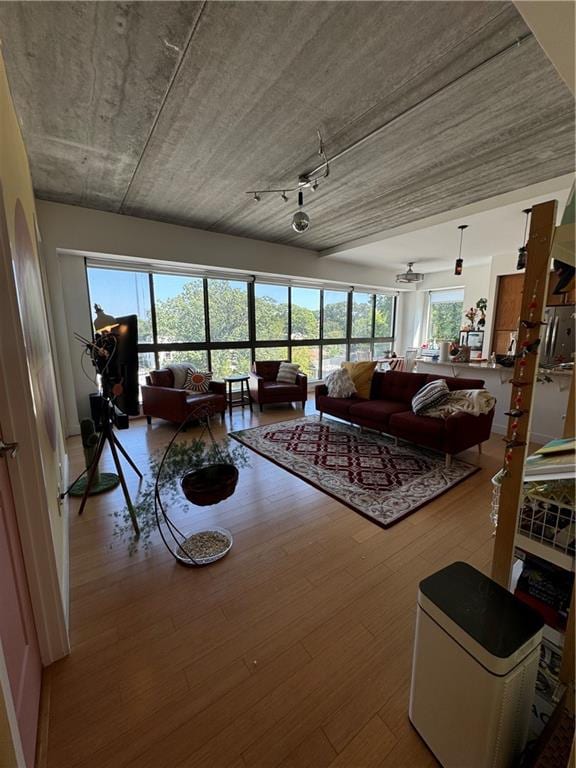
205 547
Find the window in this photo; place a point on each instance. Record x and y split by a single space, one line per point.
305 313
359 352
362 313
308 359
179 305
335 315
230 362
332 356
271 310
272 353
122 293
384 316
198 358
223 324
445 316
228 310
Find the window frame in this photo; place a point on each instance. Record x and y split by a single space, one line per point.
456 289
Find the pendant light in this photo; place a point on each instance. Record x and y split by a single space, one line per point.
300 220
523 251
460 261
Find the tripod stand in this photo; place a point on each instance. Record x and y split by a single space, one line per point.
107 436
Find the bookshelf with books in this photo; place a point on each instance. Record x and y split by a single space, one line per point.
544 573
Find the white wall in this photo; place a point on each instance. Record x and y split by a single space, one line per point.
70 232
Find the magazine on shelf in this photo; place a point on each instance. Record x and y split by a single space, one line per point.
555 459
561 445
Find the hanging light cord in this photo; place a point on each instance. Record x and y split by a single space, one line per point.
462 227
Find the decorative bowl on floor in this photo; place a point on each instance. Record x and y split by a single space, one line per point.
210 484
204 547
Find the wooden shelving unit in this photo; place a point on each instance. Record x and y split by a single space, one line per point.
510 537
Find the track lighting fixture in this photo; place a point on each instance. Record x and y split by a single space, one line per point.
301 220
460 261
523 251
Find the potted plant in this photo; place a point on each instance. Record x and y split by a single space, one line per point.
481 306
195 458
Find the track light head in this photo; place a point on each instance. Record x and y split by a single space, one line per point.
257 197
284 197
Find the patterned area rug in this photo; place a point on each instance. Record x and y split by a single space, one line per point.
365 471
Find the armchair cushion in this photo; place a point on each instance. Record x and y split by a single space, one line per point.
179 372
287 373
267 369
196 381
161 378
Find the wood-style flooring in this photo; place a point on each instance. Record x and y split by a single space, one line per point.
293 651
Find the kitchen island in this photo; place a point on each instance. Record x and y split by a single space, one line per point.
550 399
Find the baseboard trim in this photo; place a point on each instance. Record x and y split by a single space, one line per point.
44 719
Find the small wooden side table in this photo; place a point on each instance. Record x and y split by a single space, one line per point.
244 392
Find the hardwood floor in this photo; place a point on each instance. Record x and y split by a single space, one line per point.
293 651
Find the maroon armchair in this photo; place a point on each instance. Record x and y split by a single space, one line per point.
161 399
265 389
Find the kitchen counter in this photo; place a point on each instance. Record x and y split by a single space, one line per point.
550 400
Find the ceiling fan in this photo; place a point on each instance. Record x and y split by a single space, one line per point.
410 276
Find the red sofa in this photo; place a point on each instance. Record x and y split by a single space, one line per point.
389 410
265 389
161 399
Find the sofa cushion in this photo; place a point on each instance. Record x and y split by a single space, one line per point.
378 411
339 383
455 383
397 386
337 406
412 427
162 378
432 394
361 374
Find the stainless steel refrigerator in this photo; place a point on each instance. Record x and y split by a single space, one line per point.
558 344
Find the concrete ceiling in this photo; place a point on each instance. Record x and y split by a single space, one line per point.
172 111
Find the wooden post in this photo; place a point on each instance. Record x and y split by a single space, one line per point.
539 243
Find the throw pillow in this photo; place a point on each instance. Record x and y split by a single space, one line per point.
287 373
431 395
340 384
196 381
179 371
361 374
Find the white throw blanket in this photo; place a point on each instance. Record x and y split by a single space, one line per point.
472 401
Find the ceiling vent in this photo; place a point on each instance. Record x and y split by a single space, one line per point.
409 276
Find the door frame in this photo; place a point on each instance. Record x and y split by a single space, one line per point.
49 598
